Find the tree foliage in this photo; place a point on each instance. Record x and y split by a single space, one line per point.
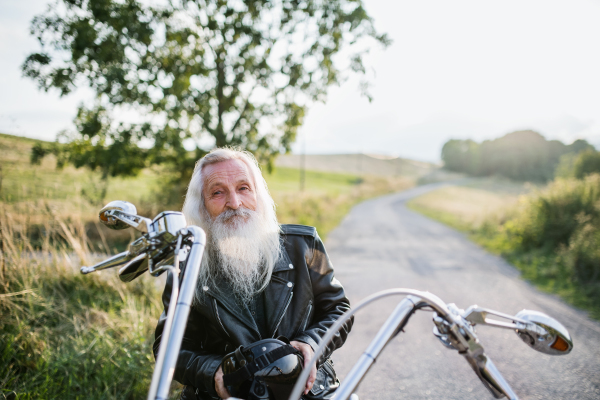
521 155
586 163
194 72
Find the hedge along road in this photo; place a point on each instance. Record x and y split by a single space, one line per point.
382 245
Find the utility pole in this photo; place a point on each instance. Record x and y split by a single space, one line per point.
303 164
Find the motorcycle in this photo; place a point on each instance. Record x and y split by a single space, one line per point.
166 239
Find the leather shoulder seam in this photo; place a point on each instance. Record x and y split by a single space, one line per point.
302 230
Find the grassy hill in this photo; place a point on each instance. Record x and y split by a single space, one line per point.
29 190
359 163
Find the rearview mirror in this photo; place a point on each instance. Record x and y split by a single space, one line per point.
121 214
543 333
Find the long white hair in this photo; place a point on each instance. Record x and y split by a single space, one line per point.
257 242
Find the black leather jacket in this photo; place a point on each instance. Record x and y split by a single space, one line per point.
304 300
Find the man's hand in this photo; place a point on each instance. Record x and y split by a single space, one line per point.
307 353
219 386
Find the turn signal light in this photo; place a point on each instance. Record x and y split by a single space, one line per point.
560 344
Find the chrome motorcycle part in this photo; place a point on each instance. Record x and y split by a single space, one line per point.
184 303
489 375
478 315
543 333
121 214
167 224
162 350
134 268
454 327
111 262
365 362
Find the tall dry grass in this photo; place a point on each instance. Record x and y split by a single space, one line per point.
62 334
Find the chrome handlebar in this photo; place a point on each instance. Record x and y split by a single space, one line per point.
456 330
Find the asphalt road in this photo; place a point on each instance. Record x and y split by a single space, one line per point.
381 245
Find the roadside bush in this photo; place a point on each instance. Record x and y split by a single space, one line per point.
583 254
549 218
554 239
578 166
586 163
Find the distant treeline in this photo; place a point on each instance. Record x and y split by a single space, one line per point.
521 155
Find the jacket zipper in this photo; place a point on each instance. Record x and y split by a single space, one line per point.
283 313
305 322
219 318
256 329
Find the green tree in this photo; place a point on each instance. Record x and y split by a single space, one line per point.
521 155
461 156
194 73
586 163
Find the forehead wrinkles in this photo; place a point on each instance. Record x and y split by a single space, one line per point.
225 174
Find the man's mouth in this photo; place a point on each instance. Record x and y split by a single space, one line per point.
234 216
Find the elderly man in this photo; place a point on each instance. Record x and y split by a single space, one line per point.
258 279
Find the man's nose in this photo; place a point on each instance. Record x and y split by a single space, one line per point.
234 202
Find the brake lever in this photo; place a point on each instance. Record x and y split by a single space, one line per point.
478 315
114 261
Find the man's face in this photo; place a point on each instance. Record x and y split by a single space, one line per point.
228 185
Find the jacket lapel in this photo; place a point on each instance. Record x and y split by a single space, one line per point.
279 292
228 302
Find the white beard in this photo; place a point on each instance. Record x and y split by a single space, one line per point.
242 248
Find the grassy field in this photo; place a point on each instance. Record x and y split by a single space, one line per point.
327 197
468 206
29 192
551 234
68 336
359 164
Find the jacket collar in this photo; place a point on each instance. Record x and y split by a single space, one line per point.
284 262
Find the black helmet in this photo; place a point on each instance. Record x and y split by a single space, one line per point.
263 370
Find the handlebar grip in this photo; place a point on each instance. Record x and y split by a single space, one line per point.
114 261
489 375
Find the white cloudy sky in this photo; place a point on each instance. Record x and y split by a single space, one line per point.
457 69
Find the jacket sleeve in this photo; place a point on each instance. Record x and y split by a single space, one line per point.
330 302
194 366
